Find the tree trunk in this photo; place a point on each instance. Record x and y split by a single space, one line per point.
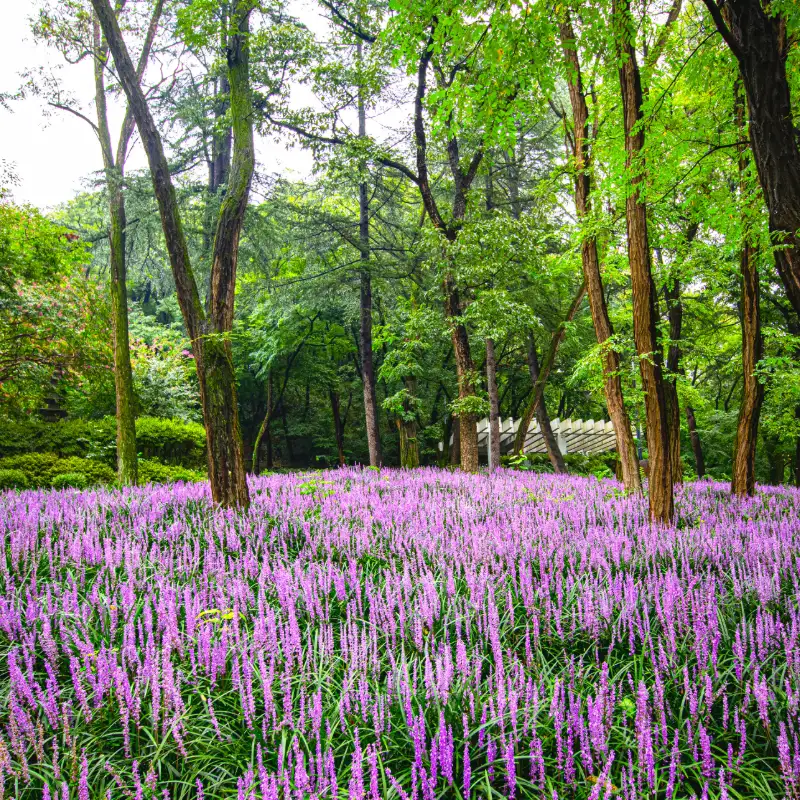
338 429
209 333
623 433
542 417
407 428
465 371
264 430
544 373
694 438
493 448
645 315
744 450
127 464
758 39
367 359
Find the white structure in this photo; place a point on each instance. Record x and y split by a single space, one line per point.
573 436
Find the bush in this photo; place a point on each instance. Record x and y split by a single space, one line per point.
171 441
40 469
151 471
601 465
13 479
75 480
168 440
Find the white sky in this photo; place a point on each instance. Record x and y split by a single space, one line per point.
55 155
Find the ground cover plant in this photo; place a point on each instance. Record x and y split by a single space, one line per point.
397 634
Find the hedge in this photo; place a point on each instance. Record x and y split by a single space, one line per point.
45 470
41 469
168 440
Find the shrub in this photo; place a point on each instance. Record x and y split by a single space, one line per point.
13 479
168 440
152 471
171 441
601 465
40 469
75 480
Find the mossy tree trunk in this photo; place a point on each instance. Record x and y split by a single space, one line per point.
114 166
407 428
209 332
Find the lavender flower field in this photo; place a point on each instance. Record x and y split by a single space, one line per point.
413 635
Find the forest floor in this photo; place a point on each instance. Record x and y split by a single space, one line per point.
381 634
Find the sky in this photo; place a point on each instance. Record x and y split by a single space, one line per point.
55 155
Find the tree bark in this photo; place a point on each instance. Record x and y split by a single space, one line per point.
615 401
743 480
127 464
540 409
465 372
114 166
264 430
493 448
407 429
210 332
744 475
462 180
694 438
758 40
544 373
645 315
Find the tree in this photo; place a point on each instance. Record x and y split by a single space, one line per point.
209 331
744 448
52 321
590 260
757 36
645 318
72 32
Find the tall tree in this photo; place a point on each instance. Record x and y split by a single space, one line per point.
757 37
209 330
62 27
744 449
645 315
590 260
114 166
365 280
